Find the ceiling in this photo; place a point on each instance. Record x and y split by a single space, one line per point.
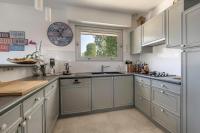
126 6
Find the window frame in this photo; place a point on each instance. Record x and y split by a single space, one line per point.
91 29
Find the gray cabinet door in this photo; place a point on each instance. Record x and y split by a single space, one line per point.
192 27
168 120
35 119
51 109
191 91
143 105
153 31
75 96
10 121
123 91
102 93
136 40
174 25
143 90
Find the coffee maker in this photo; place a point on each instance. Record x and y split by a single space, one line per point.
52 64
66 71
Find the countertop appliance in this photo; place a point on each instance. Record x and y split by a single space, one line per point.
159 74
66 71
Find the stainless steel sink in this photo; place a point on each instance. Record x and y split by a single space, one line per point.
97 73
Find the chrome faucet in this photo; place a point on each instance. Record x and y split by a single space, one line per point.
103 67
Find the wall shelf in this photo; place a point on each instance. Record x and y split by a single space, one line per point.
16 65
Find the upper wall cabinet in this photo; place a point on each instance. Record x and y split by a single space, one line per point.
136 42
190 3
174 25
154 30
192 26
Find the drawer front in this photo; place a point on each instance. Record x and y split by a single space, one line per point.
33 100
165 119
10 118
166 86
53 85
166 99
143 105
143 80
74 83
143 90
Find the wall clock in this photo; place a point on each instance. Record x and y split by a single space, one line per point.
60 34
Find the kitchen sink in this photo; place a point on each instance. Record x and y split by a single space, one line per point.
94 73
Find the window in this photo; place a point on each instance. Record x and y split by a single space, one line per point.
98 44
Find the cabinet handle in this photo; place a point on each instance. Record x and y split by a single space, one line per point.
76 81
3 127
182 46
29 118
162 85
37 99
23 124
162 92
162 110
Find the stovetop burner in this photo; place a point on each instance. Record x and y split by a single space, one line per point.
159 74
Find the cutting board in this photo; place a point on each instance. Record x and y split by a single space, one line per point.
19 88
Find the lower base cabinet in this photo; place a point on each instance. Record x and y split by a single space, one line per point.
51 109
102 93
10 121
123 91
166 119
143 105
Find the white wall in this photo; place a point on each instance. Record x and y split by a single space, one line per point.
26 18
162 58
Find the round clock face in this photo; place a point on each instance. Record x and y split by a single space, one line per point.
60 34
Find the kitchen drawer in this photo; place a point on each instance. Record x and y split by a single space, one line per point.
51 86
76 82
32 101
166 99
10 119
143 80
143 105
166 86
165 119
143 90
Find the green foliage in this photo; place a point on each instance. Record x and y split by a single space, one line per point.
104 46
91 50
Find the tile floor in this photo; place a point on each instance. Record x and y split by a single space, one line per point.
123 121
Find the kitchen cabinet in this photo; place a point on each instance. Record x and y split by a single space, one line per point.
174 25
143 95
102 93
123 91
136 42
192 26
153 31
191 91
34 114
10 121
166 119
166 105
75 95
190 3
51 106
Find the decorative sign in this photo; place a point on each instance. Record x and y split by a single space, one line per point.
12 41
17 34
4 34
19 41
4 47
5 40
15 47
60 34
